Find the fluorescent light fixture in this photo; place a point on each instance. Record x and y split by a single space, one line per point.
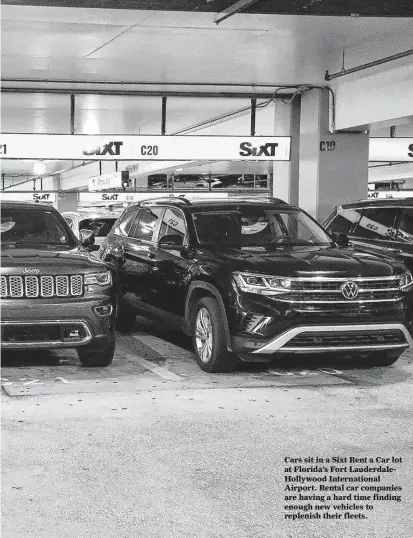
91 126
39 168
231 10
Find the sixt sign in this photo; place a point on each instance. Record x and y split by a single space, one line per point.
266 150
111 148
41 197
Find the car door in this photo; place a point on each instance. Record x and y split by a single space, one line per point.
171 267
138 258
376 230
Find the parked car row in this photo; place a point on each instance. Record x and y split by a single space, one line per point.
246 279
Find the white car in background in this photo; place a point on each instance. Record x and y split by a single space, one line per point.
85 224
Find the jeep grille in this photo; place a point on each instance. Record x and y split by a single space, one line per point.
30 287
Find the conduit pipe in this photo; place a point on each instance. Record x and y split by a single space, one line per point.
370 64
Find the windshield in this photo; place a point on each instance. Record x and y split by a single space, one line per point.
259 227
33 226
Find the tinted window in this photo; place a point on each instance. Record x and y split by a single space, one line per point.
344 221
405 232
377 223
256 226
32 226
173 222
126 221
145 223
100 227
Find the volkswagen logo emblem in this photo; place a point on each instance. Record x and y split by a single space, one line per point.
349 290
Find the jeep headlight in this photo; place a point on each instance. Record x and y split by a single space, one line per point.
102 279
406 281
262 284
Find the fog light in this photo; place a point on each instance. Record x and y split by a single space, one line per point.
73 333
104 310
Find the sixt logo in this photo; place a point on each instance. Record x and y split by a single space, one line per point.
111 148
39 197
266 150
109 196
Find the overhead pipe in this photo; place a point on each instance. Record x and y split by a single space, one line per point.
234 8
143 93
151 83
370 64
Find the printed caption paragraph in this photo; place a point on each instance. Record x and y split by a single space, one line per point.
339 488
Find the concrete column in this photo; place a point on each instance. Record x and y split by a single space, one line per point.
333 167
285 173
66 201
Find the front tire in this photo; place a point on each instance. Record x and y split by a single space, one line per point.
91 356
209 338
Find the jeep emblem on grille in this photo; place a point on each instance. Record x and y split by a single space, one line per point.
349 290
30 271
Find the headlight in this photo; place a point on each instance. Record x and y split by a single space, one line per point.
406 281
262 284
102 279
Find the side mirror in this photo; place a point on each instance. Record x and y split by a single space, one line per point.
171 242
340 239
87 239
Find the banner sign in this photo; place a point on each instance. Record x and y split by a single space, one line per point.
391 149
390 194
144 148
114 198
29 196
105 181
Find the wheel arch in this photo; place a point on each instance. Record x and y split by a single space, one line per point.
197 290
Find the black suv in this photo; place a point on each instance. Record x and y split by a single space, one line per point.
379 226
53 295
252 278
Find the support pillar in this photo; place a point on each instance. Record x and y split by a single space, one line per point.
333 167
285 173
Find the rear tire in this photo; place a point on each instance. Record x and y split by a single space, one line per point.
209 338
91 356
125 318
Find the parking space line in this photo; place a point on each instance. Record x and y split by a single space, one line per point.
154 368
162 347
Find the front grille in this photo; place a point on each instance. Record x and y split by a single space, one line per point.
325 290
31 287
347 339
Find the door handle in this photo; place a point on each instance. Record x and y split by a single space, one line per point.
395 250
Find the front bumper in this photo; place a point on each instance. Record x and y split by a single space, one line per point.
352 338
43 324
260 327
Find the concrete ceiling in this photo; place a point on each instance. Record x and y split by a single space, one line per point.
359 8
110 50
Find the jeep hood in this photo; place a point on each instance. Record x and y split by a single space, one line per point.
48 261
309 260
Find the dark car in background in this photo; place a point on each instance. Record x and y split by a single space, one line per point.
251 279
380 226
53 295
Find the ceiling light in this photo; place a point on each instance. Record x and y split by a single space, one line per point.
39 168
91 126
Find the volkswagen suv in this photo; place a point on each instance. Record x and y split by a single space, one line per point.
252 278
53 295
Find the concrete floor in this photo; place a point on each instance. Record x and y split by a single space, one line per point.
153 447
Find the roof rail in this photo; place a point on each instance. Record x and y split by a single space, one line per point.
169 199
256 199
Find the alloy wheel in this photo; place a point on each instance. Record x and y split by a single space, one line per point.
203 335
